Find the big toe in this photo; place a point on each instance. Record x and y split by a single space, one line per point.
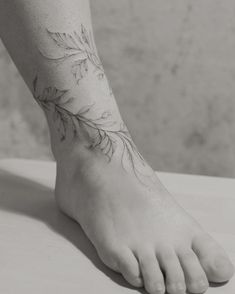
213 259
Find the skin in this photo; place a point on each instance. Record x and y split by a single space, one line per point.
103 182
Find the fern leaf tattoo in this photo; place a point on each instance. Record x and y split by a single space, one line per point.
80 49
102 132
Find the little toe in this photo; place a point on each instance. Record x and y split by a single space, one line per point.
151 273
174 275
213 259
195 277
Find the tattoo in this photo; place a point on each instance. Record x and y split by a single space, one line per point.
102 131
80 49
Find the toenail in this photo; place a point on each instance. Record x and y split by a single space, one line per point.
223 268
160 288
178 286
138 281
199 285
202 283
220 262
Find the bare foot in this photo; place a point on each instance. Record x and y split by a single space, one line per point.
138 230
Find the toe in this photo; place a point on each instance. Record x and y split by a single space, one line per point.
122 260
213 259
152 275
174 276
195 277
129 267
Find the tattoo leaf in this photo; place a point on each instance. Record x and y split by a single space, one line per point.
84 110
52 94
78 46
105 142
35 81
79 69
66 41
62 125
85 36
106 114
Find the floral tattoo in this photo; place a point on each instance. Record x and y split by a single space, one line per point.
80 49
102 132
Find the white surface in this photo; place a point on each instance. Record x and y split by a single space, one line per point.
43 251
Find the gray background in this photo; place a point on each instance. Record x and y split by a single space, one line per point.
172 68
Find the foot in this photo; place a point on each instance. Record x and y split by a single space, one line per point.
138 231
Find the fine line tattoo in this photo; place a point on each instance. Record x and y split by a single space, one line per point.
80 49
102 132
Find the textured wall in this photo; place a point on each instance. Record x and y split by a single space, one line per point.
172 68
